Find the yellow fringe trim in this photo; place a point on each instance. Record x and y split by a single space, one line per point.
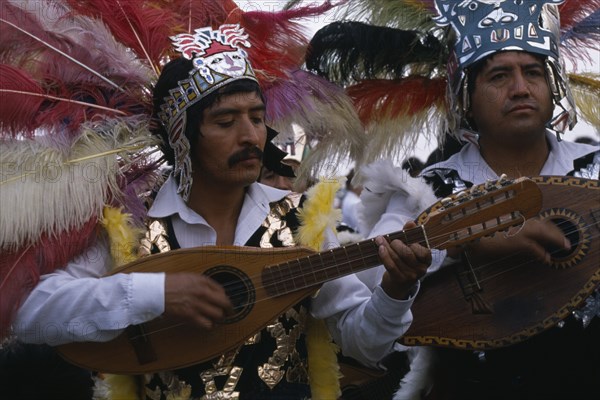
123 237
316 216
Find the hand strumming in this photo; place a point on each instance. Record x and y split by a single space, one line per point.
196 299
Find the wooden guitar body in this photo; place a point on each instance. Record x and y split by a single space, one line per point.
160 344
511 299
265 283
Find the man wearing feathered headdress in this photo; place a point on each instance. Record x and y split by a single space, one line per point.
210 114
511 101
508 101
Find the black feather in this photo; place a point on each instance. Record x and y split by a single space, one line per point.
346 52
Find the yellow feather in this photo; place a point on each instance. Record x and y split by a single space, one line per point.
586 91
122 387
317 215
123 237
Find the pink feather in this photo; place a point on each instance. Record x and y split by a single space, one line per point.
20 270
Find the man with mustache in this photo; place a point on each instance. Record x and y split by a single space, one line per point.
214 135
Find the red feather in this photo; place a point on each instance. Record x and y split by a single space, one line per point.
194 14
378 99
137 24
572 11
278 43
20 270
19 111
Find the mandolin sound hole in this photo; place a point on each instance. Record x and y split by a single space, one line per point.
572 232
239 289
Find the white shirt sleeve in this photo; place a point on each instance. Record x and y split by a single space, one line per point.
364 321
78 303
362 318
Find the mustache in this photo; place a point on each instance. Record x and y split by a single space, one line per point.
245 154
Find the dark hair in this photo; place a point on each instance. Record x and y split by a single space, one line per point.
174 72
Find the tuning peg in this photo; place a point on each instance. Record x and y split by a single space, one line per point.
504 181
446 202
462 196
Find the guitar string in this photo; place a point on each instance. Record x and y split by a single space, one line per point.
357 257
237 283
498 193
484 267
155 331
492 194
348 261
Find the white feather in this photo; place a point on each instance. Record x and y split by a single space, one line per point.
382 179
46 190
417 382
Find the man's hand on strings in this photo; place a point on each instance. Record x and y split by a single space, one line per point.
195 298
404 264
534 239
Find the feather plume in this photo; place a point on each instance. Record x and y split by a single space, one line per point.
20 269
123 238
586 91
346 52
316 216
401 14
326 115
581 37
397 112
573 11
376 100
198 13
77 79
137 24
278 42
86 175
18 111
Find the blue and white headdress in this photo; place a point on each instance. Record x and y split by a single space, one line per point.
485 27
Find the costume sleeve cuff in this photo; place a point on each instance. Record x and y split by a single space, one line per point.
389 307
147 296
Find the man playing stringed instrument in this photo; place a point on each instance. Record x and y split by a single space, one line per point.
211 116
490 74
510 100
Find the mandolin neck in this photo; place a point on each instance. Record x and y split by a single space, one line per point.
322 267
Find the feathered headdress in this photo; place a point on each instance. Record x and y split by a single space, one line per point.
76 80
404 66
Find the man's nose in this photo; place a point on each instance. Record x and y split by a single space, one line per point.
248 132
520 85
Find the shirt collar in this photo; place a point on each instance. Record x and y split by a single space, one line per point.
168 202
559 162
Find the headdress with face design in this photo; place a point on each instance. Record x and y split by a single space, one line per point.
219 59
485 27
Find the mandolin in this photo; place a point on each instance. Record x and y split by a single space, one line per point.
508 300
263 284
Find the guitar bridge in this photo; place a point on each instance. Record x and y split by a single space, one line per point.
471 286
140 342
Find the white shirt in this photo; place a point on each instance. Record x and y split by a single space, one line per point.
350 203
471 166
80 303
